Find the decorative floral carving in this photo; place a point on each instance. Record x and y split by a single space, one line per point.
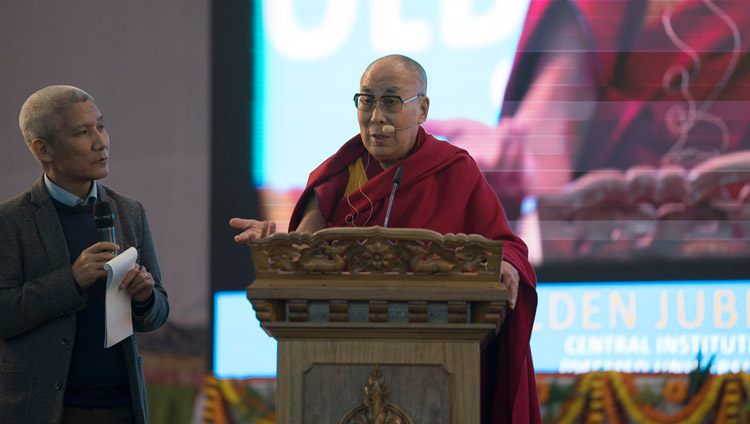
376 250
378 255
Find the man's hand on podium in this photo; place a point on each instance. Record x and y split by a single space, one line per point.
252 229
509 277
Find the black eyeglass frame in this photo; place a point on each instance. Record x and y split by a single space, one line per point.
402 102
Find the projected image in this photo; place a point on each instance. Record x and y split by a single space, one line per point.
313 53
628 109
241 347
599 146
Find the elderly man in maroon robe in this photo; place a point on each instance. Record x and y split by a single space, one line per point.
442 190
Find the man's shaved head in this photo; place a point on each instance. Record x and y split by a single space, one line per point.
410 65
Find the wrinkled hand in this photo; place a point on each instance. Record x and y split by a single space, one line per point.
89 266
510 279
139 283
252 229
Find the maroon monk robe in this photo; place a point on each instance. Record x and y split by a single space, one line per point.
644 101
443 190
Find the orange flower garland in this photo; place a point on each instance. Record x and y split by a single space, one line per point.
730 402
610 407
694 412
675 391
213 409
543 389
573 408
598 397
596 400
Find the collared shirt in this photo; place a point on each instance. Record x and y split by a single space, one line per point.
67 198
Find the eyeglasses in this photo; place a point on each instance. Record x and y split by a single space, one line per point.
391 104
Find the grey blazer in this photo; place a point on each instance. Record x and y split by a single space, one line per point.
39 300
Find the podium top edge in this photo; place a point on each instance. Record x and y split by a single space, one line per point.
379 232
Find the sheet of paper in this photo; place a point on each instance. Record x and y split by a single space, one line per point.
117 312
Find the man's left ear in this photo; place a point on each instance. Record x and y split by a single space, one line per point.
40 147
424 107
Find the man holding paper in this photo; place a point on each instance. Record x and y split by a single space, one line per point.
54 366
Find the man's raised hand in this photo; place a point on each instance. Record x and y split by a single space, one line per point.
252 229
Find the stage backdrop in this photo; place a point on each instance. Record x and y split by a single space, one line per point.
307 59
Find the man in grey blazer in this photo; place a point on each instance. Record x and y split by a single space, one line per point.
54 367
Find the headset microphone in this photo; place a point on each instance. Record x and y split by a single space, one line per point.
388 128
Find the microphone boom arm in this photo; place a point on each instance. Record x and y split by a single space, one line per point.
396 182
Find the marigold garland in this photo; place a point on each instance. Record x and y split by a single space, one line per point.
675 391
596 400
730 402
693 413
573 408
543 390
610 407
609 397
745 379
613 397
221 394
213 408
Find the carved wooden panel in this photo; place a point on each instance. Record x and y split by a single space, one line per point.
338 311
343 252
378 311
298 310
417 311
377 408
268 310
421 392
489 312
457 312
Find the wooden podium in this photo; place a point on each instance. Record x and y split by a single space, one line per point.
378 325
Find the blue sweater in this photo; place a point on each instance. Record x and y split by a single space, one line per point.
97 376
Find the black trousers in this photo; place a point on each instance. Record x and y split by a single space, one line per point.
115 415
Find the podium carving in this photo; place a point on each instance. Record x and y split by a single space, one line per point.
376 407
408 306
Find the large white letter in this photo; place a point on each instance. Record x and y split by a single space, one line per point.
681 310
589 310
298 43
463 29
389 33
617 304
724 304
554 323
663 302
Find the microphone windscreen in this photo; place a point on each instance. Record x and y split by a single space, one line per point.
388 129
399 174
103 216
102 208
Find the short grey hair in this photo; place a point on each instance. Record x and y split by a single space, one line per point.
412 66
43 113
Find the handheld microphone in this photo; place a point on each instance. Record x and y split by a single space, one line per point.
388 128
104 220
396 182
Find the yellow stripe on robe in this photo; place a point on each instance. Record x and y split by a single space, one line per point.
357 177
